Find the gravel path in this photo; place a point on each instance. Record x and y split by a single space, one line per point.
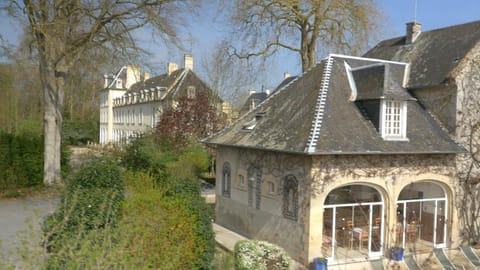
20 218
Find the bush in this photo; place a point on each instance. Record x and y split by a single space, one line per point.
92 202
21 161
160 158
169 226
144 153
260 255
79 132
99 172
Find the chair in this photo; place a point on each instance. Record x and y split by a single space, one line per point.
377 221
412 231
360 234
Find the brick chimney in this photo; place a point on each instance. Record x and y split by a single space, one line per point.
172 67
413 31
286 75
188 61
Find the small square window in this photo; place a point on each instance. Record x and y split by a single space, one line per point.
119 83
191 92
241 180
271 187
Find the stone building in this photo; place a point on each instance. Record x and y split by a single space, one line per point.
358 154
132 103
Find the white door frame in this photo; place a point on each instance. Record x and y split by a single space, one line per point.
371 253
435 218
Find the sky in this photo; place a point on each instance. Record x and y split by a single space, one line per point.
432 14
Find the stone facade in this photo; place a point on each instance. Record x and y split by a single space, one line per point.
317 176
263 216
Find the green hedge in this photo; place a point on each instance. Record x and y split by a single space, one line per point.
79 132
91 202
21 161
168 227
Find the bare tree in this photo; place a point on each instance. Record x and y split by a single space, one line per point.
228 76
304 27
63 31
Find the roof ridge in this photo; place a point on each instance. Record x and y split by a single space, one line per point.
116 76
178 81
268 98
320 107
431 30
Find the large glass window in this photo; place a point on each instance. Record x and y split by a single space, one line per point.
353 223
421 216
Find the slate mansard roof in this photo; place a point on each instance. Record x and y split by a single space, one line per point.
175 83
434 55
318 113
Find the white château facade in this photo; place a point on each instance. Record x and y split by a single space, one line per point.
131 102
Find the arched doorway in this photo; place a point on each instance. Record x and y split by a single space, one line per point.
353 223
422 216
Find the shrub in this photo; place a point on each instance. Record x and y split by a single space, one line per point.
169 226
160 234
144 153
21 161
79 132
99 172
160 158
92 201
191 162
260 255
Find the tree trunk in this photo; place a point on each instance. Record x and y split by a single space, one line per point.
53 85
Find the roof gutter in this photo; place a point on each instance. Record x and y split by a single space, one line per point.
335 153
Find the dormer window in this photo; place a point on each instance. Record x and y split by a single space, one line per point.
393 122
119 83
191 92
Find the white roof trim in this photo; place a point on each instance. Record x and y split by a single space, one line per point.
320 107
365 59
116 76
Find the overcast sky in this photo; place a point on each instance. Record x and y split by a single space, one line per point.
204 35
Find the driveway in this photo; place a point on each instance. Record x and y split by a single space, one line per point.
20 220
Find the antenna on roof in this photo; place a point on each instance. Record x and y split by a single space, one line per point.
414 10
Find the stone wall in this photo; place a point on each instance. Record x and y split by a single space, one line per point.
267 223
467 79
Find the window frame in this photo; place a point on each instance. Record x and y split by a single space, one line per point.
290 200
226 179
393 117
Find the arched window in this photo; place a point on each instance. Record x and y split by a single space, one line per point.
290 197
254 187
226 173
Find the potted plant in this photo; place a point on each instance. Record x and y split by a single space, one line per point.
320 263
396 253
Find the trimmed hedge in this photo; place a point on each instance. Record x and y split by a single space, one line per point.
166 232
21 161
91 202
